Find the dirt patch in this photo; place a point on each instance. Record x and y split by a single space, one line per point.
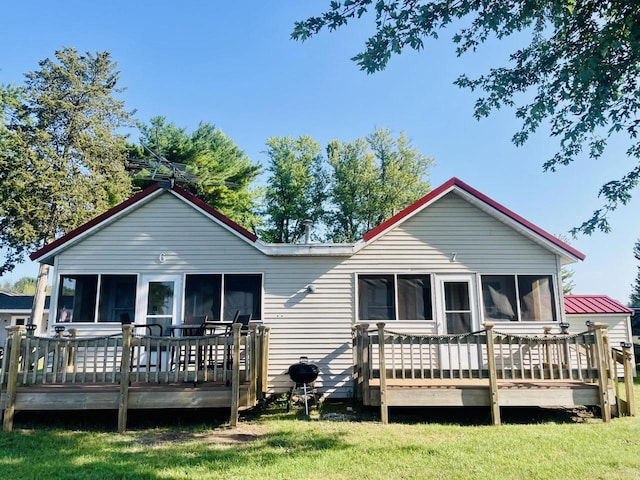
243 433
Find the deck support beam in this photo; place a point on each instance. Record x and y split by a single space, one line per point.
494 401
125 376
15 332
603 369
384 409
235 375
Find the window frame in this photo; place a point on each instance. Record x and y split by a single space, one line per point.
96 305
222 302
396 295
515 277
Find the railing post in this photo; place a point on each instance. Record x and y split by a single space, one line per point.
264 362
356 377
628 378
384 409
15 333
493 375
73 333
365 367
125 375
235 375
253 364
603 370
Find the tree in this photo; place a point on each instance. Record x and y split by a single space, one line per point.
352 188
62 156
296 188
373 179
634 299
222 173
579 74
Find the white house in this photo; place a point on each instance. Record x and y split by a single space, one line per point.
446 264
15 309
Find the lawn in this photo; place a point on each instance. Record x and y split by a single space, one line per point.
427 443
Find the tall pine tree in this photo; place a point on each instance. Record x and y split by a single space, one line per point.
62 154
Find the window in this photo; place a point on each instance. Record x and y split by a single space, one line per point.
391 297
204 295
78 297
518 297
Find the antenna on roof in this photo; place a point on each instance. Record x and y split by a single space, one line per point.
158 168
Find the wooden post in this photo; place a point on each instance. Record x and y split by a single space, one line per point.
125 375
73 333
365 366
15 333
235 375
628 378
253 364
264 363
356 377
494 401
603 370
384 409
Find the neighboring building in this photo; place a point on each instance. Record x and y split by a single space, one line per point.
446 264
599 308
15 309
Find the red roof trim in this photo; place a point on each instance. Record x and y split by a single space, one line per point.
593 304
132 201
92 223
455 182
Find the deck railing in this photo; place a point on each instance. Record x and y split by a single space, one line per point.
385 356
126 358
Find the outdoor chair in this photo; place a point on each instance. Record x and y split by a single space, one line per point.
192 326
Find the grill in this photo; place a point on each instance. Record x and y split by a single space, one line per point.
303 374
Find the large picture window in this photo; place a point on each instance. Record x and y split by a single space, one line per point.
219 296
113 295
394 297
518 297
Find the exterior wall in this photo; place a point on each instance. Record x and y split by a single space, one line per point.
317 325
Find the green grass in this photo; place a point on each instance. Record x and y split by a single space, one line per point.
272 444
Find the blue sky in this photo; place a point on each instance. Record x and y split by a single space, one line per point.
233 64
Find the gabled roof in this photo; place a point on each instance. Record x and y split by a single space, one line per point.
46 253
485 203
135 201
593 304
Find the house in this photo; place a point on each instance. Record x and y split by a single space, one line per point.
448 263
15 309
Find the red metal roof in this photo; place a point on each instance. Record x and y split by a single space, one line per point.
593 304
132 201
457 183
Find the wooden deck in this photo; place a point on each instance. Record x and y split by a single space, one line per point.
123 372
141 396
489 369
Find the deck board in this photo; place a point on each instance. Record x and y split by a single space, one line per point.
146 396
476 392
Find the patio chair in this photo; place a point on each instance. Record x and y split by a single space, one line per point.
244 321
192 326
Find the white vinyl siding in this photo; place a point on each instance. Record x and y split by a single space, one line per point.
317 325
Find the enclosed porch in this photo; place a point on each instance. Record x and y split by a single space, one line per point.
134 370
493 369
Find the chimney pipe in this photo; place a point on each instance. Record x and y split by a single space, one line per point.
307 230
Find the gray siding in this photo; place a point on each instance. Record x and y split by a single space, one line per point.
318 324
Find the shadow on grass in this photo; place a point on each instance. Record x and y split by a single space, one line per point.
56 450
